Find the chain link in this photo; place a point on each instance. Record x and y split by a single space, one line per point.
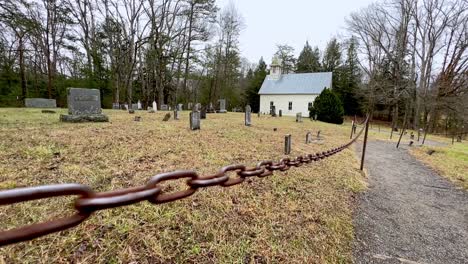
89 201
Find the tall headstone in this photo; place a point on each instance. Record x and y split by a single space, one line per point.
189 106
211 108
248 115
84 105
40 103
308 137
155 106
194 120
176 114
299 117
222 105
135 106
180 107
139 106
203 113
287 144
273 110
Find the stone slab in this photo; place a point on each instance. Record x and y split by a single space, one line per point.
40 103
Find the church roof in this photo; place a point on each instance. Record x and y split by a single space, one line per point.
297 83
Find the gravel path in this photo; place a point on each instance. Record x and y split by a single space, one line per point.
409 214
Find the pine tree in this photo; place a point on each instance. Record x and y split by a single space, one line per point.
255 83
309 60
328 107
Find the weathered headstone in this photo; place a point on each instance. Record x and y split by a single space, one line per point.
180 107
412 136
273 110
131 111
151 110
315 117
203 113
248 115
189 106
258 114
126 107
287 144
155 106
84 105
176 114
167 117
115 106
164 107
222 105
299 117
308 137
40 103
135 106
194 120
139 106
211 108
280 113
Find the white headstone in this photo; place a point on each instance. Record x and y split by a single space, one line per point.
155 106
139 105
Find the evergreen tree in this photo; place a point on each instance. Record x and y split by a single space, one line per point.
308 60
331 61
328 107
256 81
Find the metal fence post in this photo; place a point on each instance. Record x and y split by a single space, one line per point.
365 144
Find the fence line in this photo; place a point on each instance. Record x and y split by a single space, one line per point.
90 201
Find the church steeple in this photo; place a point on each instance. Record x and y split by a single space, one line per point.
275 68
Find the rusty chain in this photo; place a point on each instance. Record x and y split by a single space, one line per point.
89 201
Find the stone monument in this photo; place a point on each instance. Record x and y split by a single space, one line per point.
222 106
84 105
248 115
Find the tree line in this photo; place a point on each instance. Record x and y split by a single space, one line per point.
170 51
404 60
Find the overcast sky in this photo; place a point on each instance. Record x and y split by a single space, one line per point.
292 22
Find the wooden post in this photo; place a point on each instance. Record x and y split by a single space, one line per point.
365 143
352 129
287 144
402 130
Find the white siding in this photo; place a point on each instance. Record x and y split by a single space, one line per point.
300 103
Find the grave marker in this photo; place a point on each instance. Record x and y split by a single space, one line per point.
84 105
287 144
167 117
194 120
139 107
164 107
203 113
176 114
155 106
280 113
40 103
308 137
248 115
222 106
299 117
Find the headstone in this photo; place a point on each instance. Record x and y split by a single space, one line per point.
299 117
131 111
40 103
318 134
459 138
315 117
115 106
135 106
203 113
258 114
126 107
211 108
411 143
151 110
194 120
167 117
272 110
280 113
84 105
155 106
248 115
140 107
308 137
197 107
412 136
137 118
176 114
180 106
189 106
287 144
164 107
222 105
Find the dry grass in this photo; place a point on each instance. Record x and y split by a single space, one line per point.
300 216
450 161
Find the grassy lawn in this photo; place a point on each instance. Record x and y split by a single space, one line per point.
450 161
303 215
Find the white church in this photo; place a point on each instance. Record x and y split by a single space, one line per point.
293 92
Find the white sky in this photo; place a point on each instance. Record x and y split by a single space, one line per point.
292 22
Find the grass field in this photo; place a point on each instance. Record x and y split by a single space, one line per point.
303 215
450 161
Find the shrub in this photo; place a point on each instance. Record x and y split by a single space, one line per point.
328 107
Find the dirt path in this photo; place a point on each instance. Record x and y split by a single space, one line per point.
409 214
